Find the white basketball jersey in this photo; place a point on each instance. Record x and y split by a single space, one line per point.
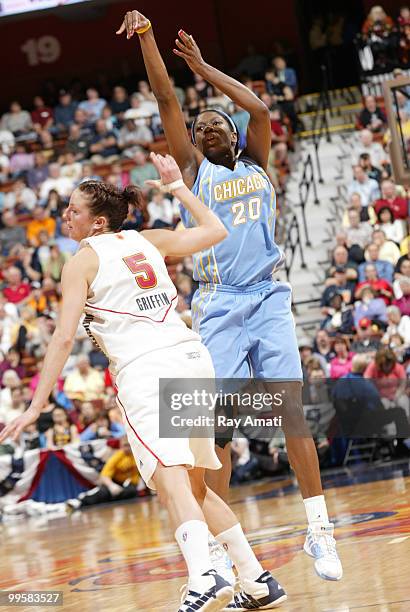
130 310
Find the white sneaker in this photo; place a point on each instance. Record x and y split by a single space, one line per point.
221 562
217 595
264 593
321 545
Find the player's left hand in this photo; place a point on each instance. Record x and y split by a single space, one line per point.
14 429
133 21
167 168
189 51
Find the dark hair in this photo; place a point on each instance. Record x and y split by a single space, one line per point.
381 211
110 202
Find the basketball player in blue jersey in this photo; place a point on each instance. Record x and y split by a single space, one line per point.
242 315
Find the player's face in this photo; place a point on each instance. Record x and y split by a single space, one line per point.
214 136
77 216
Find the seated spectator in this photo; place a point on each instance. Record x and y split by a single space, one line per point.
341 364
282 96
367 188
55 205
339 318
373 149
81 119
340 284
53 266
366 163
78 143
62 184
62 432
403 303
160 210
11 234
7 141
323 345
366 341
366 213
194 104
25 334
402 271
369 306
340 259
388 250
285 74
389 377
110 120
21 199
67 245
39 223
10 403
103 146
397 324
17 121
137 218
84 383
358 233
389 198
118 480
120 102
137 110
219 101
39 173
12 362
361 405
70 167
143 171
42 116
384 268
102 428
20 161
148 100
134 134
46 141
93 105
381 287
372 118
64 112
15 291
394 229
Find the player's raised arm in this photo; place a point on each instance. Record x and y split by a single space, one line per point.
209 229
259 129
74 289
187 157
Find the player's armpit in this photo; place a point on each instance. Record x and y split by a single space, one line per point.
185 242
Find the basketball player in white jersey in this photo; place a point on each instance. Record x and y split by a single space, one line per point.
119 279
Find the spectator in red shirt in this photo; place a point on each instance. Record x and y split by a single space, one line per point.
16 291
399 206
42 116
381 287
342 363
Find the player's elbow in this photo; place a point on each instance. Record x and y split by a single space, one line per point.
64 338
261 110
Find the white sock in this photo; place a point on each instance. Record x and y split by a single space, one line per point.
192 538
316 510
239 550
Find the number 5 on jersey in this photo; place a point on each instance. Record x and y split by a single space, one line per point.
145 276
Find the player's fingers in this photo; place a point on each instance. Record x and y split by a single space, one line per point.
180 54
181 45
121 28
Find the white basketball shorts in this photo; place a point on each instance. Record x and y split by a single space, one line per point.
138 398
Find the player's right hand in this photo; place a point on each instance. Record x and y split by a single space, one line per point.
133 21
14 429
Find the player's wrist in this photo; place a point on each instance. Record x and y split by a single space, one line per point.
145 28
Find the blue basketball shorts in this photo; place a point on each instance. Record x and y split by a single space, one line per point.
249 331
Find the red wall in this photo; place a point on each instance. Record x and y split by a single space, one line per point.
89 46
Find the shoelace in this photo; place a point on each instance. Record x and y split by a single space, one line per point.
330 543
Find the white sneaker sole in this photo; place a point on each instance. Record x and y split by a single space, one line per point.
322 576
274 604
223 598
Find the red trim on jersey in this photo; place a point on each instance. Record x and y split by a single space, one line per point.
134 315
140 440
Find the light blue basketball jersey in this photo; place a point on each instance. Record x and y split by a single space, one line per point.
245 201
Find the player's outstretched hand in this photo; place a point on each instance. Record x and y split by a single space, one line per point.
14 429
133 21
167 169
189 51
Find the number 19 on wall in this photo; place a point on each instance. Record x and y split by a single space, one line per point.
43 50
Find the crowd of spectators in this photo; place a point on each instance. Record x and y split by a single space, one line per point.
44 154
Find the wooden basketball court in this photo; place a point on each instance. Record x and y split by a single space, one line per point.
123 558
